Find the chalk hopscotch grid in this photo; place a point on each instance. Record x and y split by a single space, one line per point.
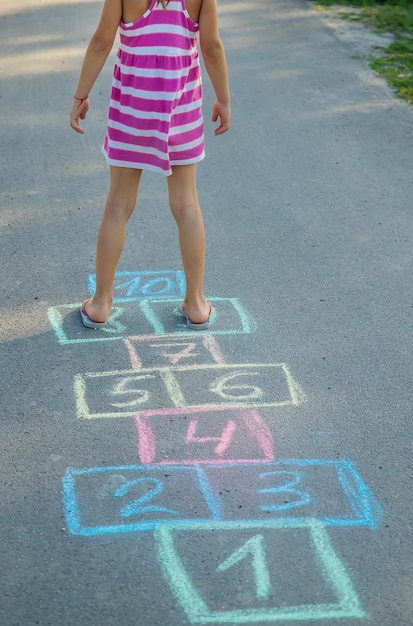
151 290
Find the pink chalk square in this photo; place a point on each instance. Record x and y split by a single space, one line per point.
147 351
199 435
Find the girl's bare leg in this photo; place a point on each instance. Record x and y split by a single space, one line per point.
120 203
183 200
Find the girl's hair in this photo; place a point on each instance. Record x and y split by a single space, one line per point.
164 3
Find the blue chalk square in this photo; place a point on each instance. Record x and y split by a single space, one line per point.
254 573
228 317
329 491
134 286
173 350
110 500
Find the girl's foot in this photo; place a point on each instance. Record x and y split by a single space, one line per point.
93 316
197 318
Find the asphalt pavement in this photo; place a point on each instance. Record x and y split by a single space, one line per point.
259 472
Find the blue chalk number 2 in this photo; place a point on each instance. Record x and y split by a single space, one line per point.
134 507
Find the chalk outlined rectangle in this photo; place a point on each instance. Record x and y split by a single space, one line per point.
331 491
214 435
144 285
200 348
228 316
126 476
236 385
190 598
57 318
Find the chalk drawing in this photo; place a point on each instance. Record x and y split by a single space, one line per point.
134 286
211 436
64 319
151 316
331 491
180 571
170 350
288 487
228 316
219 456
130 507
135 506
210 495
365 506
224 440
213 386
255 548
139 396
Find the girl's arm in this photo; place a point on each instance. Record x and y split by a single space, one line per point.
96 54
213 54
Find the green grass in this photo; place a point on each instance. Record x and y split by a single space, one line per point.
395 61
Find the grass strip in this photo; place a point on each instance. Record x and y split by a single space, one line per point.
395 61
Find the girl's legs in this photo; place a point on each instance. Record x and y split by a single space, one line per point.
183 200
120 203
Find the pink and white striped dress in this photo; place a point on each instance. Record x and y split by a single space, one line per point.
155 113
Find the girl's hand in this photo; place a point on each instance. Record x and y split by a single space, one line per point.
223 112
78 111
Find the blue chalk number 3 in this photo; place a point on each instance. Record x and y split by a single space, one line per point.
288 487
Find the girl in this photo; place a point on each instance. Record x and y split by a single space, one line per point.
154 123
